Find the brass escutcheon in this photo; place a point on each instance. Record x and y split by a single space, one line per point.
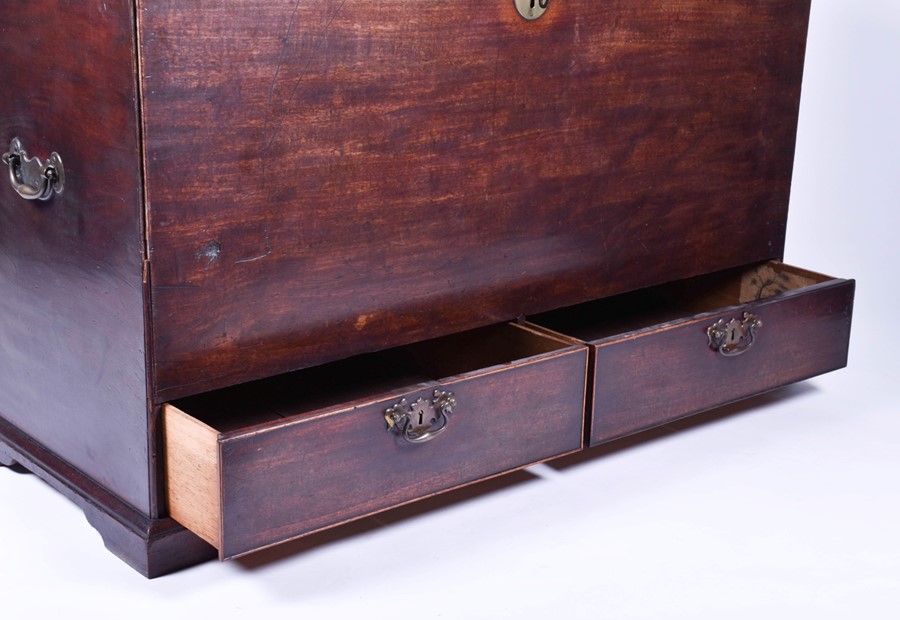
734 337
532 9
422 420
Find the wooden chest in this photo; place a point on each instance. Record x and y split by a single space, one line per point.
277 255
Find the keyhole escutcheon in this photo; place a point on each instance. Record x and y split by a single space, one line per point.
532 9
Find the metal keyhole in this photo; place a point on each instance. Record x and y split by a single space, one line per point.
734 335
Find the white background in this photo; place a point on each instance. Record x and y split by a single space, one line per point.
785 506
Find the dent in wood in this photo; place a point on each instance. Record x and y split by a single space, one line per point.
210 252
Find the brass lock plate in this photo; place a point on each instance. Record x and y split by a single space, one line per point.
734 337
422 420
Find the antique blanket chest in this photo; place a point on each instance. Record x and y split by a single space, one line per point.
258 257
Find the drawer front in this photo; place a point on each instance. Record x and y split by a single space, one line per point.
367 174
649 378
250 488
343 466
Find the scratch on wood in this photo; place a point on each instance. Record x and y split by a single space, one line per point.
268 246
493 136
303 73
284 46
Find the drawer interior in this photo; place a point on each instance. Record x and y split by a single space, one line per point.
367 376
607 318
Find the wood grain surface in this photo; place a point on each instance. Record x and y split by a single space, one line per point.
330 177
313 470
72 340
668 372
192 473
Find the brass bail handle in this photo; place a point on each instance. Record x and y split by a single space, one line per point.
30 177
422 420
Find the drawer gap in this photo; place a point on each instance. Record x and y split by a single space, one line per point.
474 350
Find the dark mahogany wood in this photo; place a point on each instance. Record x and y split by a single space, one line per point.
316 470
258 187
153 547
330 177
72 340
664 370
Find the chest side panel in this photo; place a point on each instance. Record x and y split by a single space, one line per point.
72 362
333 176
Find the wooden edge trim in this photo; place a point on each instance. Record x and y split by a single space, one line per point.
587 409
192 473
546 332
799 271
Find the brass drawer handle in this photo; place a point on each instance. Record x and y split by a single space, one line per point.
422 420
31 178
734 337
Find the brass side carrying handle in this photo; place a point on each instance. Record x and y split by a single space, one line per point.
30 177
422 420
734 337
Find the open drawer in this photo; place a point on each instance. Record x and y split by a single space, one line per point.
261 463
671 351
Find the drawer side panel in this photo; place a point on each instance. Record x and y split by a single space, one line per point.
192 473
72 341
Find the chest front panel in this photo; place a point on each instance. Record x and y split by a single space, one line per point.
330 177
